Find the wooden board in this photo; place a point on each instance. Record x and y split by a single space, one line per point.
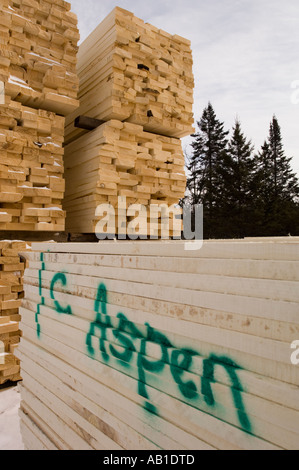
141 345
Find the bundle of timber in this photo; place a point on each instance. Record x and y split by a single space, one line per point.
9 364
40 85
121 160
132 71
11 294
151 346
31 169
39 54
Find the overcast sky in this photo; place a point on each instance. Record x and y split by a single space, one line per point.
245 57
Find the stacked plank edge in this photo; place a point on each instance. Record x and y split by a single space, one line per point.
132 71
11 294
31 169
120 160
150 346
38 88
38 44
138 80
39 54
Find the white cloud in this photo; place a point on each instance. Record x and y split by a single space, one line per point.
245 56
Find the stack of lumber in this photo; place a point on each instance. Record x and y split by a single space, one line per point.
31 169
132 71
9 364
120 160
11 294
151 345
138 81
39 54
38 70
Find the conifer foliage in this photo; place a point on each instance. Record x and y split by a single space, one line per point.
243 194
207 166
277 187
239 193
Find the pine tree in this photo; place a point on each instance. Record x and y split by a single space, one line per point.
193 196
285 182
239 188
263 188
278 187
207 169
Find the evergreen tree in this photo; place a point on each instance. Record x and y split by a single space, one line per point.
285 182
193 196
207 170
278 187
262 188
239 184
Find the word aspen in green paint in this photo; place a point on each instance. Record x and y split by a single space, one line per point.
134 343
149 356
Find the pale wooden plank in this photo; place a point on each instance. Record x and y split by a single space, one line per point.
250 441
230 249
123 408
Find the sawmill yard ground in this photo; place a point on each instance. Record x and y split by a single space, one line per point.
10 436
